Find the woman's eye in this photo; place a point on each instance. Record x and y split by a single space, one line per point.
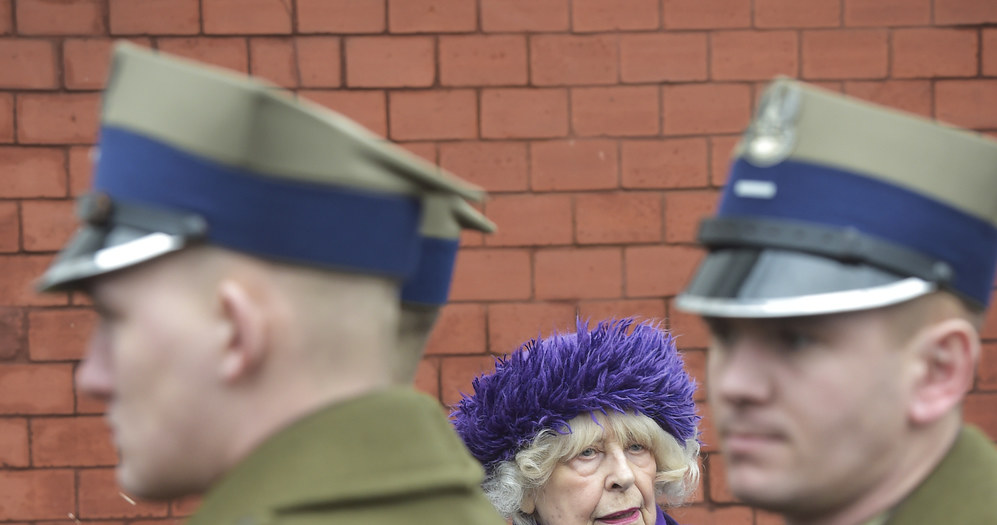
587 453
637 447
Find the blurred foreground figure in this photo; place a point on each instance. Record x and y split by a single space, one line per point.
849 266
245 252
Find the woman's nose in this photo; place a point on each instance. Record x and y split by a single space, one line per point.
620 474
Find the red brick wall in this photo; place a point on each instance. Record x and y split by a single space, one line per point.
600 127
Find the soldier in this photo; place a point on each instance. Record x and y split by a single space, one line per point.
426 291
245 251
849 266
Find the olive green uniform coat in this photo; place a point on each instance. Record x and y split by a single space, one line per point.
961 490
386 458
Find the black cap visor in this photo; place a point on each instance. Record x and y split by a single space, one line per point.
114 236
764 283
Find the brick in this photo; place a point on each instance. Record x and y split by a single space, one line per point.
708 434
100 497
457 372
227 52
495 166
978 409
573 60
967 103
10 230
611 15
32 172
18 274
59 335
432 16
390 61
654 271
433 115
908 95
59 17
689 328
427 377
573 165
80 170
12 330
792 14
274 59
695 109
972 12
86 61
154 17
366 107
64 118
27 64
845 53
426 150
524 15
727 515
255 17
47 225
578 273
614 218
662 57
934 52
483 60
13 443
6 117
717 474
519 217
6 17
664 163
72 442
884 13
753 55
684 211
639 309
510 325
36 389
695 364
36 494
707 14
721 150
341 16
988 48
319 63
986 372
491 274
460 329
524 113
616 111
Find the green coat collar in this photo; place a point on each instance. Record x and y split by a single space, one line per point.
387 444
962 489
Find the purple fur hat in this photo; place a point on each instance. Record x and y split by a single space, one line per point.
547 382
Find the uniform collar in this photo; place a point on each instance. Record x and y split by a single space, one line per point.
383 444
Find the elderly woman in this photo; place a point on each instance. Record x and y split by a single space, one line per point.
591 427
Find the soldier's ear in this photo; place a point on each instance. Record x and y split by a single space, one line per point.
945 355
245 338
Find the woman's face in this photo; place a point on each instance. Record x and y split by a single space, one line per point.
610 482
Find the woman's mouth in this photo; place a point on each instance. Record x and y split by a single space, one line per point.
620 518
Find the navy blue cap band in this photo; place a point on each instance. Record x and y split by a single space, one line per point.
276 217
832 197
430 285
